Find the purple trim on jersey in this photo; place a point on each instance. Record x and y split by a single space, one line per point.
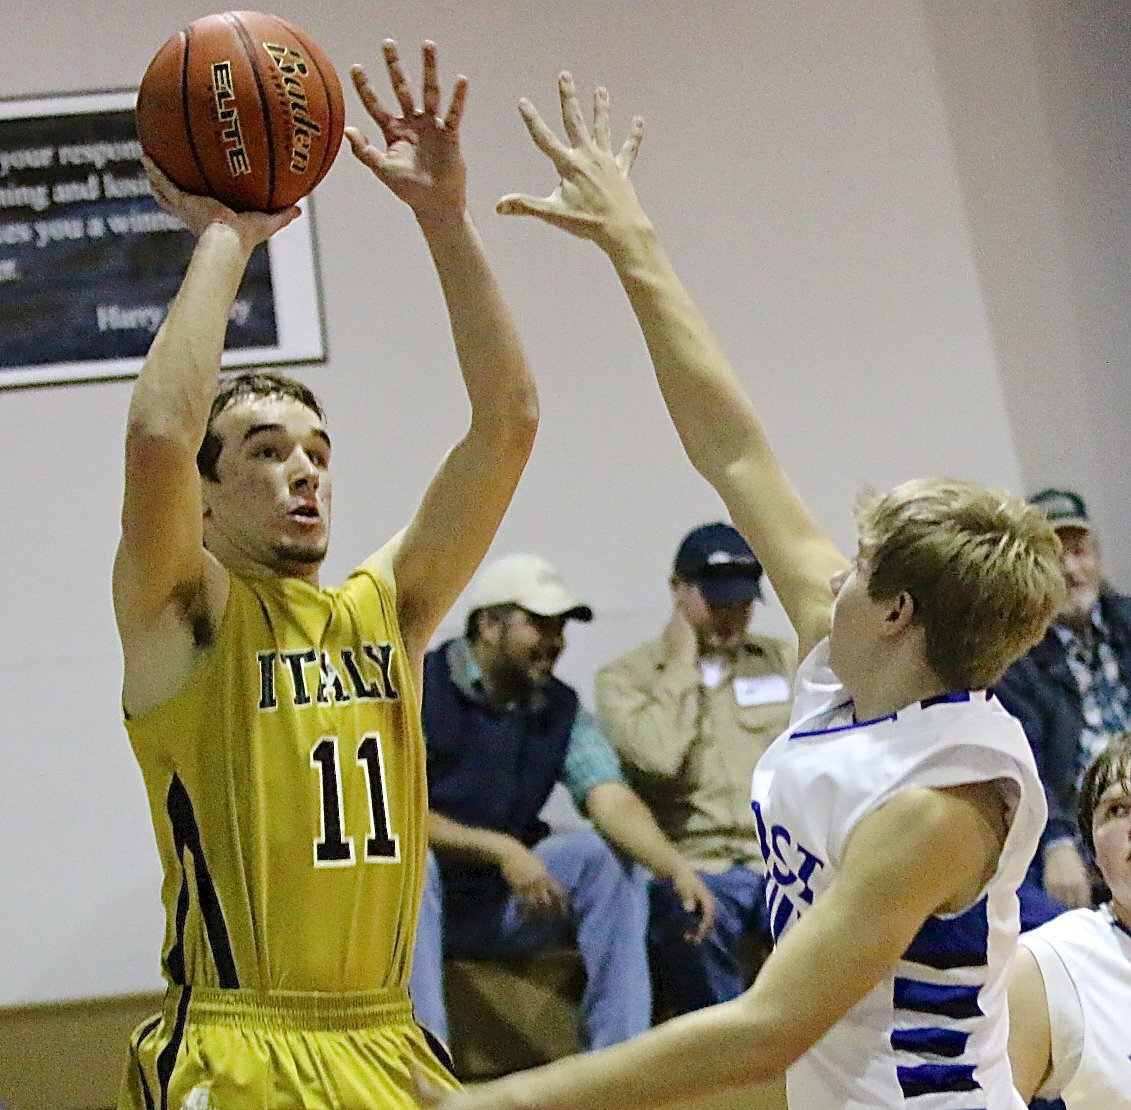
841 728
929 1079
926 703
930 998
961 941
953 696
931 1041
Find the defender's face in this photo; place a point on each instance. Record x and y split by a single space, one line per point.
1111 831
1083 572
854 638
270 509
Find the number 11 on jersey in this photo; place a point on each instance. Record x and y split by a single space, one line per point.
333 848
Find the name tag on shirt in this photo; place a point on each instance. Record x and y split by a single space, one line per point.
761 690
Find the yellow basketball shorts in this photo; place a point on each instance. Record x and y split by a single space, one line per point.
212 1049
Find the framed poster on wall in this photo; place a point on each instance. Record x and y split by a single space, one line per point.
89 262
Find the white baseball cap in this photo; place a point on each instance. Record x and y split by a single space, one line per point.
528 581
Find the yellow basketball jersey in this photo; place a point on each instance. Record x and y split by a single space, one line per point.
287 789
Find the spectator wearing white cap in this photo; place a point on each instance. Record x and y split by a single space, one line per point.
689 714
1072 692
501 730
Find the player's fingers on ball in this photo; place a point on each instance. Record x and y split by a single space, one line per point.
255 175
152 169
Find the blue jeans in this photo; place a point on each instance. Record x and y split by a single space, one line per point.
608 919
691 976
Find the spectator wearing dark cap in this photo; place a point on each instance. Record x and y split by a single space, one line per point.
689 715
1072 692
500 731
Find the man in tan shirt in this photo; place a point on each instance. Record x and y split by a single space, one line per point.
689 715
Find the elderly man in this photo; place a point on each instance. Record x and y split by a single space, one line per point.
1073 690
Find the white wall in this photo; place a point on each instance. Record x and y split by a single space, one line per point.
1038 102
804 165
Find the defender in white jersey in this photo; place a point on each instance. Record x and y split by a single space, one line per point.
899 812
1070 991
931 1029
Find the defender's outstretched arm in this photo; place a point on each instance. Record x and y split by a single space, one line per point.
717 423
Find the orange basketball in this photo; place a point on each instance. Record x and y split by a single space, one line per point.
243 107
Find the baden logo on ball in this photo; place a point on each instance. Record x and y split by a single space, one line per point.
244 107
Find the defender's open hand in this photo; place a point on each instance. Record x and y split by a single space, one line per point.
594 198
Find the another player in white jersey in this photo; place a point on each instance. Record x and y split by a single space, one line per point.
1070 991
899 811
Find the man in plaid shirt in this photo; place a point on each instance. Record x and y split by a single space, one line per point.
1072 691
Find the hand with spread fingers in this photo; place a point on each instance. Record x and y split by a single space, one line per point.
594 198
422 163
198 212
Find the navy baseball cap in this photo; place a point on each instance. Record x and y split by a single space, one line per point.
1062 508
719 561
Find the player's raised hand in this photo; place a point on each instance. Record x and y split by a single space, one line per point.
594 198
421 162
197 212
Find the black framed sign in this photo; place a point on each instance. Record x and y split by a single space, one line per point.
89 262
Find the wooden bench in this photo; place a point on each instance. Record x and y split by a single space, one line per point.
510 1014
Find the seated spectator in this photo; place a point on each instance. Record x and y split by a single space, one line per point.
501 730
1070 991
1072 692
689 714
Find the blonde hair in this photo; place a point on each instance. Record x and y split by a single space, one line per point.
982 566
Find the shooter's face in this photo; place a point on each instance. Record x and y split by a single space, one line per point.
270 509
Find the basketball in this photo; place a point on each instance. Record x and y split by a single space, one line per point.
243 107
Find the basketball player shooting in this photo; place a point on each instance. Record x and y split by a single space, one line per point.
899 811
276 721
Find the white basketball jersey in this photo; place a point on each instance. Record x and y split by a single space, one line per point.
1085 961
932 1034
